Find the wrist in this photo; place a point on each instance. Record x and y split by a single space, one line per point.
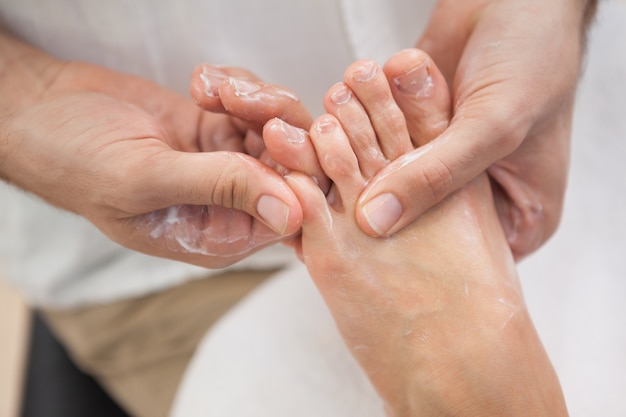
25 75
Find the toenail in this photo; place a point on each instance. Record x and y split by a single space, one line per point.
325 126
365 72
416 82
243 88
382 212
212 79
341 95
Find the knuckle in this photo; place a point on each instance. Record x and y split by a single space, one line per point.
230 189
508 128
222 193
499 130
126 194
437 179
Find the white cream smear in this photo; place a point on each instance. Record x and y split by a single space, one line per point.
196 230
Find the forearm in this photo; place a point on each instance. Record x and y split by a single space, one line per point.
25 74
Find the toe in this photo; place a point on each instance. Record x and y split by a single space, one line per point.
337 159
341 102
421 92
370 85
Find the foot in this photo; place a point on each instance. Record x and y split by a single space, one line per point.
434 314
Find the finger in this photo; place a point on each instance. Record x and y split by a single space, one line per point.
209 236
218 132
259 102
317 217
412 184
253 144
242 94
225 179
529 187
205 84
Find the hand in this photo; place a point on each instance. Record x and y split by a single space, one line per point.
514 66
150 169
239 93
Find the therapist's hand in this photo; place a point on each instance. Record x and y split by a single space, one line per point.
238 92
149 168
514 66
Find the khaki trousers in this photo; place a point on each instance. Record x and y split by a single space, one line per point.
138 348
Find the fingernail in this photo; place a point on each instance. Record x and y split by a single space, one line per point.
293 134
382 212
416 82
325 125
341 94
286 93
212 79
243 88
274 212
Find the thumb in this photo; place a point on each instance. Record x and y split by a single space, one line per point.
479 134
413 183
226 179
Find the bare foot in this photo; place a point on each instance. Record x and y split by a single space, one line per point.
434 314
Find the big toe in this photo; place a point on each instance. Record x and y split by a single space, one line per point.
421 92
